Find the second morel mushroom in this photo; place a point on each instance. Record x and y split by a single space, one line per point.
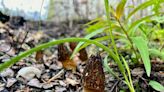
83 53
93 75
64 57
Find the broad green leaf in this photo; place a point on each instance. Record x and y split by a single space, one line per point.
141 44
156 85
143 6
120 9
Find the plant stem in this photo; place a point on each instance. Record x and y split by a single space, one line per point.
125 32
110 31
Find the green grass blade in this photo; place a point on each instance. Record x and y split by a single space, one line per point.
129 74
92 21
142 6
86 37
136 23
104 38
157 86
52 43
141 44
108 68
108 11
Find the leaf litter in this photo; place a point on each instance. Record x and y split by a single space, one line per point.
43 71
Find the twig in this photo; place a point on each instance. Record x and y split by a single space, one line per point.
56 76
144 80
23 41
114 86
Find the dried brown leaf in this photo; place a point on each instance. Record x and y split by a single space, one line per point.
71 81
29 72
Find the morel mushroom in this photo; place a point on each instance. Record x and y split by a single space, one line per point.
72 45
39 56
93 75
83 53
64 57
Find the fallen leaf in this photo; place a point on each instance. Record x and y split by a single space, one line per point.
62 83
7 73
55 67
49 85
28 73
71 81
35 83
10 82
2 87
2 30
38 35
137 71
60 89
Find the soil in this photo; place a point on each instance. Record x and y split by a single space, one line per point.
21 35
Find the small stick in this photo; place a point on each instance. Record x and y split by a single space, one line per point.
56 76
23 41
114 86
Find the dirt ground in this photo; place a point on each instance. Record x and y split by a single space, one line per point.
18 35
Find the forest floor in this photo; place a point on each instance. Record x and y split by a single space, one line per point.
16 38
